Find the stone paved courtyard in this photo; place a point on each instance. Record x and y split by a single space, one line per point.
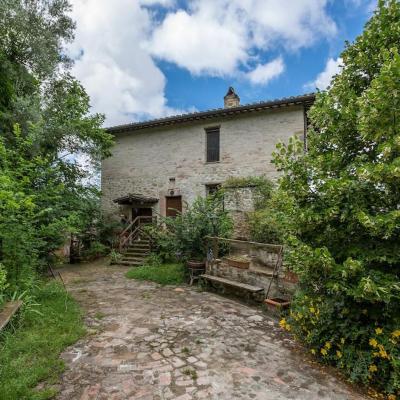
151 342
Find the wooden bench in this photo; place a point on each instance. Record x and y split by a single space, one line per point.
250 289
7 312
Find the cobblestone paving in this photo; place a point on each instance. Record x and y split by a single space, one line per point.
150 342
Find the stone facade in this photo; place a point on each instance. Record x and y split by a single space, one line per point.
167 160
239 202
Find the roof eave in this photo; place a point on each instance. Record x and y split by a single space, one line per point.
221 112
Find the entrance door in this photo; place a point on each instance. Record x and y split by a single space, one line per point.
141 212
173 205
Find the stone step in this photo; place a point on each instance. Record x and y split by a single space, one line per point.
228 282
138 248
132 258
130 263
140 245
136 254
134 250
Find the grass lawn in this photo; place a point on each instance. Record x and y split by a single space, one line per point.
30 354
166 274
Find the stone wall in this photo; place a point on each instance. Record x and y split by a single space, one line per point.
260 271
153 161
239 202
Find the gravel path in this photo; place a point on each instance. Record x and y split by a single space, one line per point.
151 342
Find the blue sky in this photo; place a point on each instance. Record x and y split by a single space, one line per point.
141 59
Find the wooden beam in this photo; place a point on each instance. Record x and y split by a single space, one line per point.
8 311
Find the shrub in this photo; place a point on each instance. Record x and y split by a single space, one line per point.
115 257
153 259
185 235
360 338
163 241
343 199
3 284
95 250
272 224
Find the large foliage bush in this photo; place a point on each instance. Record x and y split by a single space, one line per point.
45 127
185 235
341 217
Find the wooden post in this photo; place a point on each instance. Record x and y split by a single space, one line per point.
215 247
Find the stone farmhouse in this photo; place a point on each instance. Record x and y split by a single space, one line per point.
160 166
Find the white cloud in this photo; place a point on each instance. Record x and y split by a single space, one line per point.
216 37
323 80
263 73
120 76
164 3
116 43
199 43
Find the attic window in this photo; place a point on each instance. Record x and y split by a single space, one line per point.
212 139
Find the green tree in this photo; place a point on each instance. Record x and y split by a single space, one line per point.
45 128
343 200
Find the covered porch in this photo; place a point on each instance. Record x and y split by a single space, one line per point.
136 205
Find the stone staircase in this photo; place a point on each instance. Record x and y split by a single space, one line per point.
136 253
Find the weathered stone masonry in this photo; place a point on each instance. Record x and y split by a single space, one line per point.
155 160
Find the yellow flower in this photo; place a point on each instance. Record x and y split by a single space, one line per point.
339 354
313 351
324 352
378 331
288 327
300 315
373 342
282 323
372 368
312 310
382 351
328 345
396 333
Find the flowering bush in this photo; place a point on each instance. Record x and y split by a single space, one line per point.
342 201
356 339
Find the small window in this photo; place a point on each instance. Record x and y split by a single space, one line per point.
212 135
212 189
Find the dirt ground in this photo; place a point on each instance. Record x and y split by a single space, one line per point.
151 342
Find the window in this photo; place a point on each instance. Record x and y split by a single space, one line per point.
212 138
212 189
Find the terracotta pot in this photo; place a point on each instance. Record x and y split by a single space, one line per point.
194 264
277 304
243 264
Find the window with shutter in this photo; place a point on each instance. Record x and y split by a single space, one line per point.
212 144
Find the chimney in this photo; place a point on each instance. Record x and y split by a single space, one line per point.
231 99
